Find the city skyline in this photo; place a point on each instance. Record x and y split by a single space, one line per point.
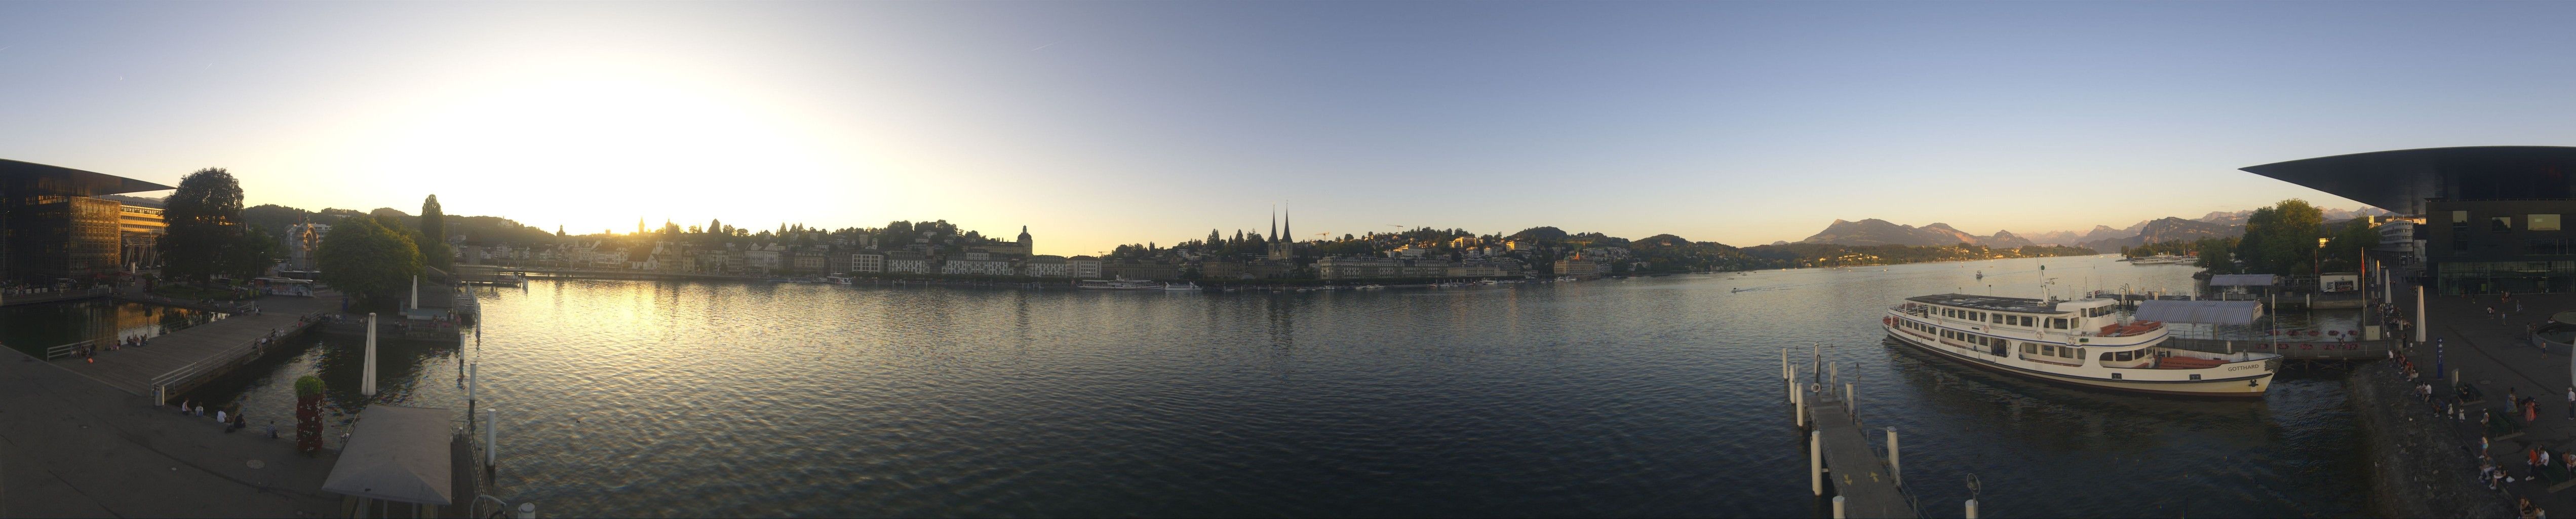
1104 124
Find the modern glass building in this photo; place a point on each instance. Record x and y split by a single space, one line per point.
52 229
2494 216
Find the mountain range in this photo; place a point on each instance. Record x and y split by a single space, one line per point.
2101 237
1882 232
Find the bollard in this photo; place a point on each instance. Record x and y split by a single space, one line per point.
1798 409
1895 463
473 381
527 511
1838 507
491 439
1972 509
1851 402
1816 463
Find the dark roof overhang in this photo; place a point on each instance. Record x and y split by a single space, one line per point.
2400 180
28 178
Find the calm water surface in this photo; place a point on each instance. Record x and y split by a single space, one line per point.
1643 397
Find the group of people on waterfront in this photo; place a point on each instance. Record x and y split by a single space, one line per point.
230 416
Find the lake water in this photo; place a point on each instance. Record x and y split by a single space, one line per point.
33 328
1639 397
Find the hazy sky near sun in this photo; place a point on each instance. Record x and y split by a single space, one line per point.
1104 123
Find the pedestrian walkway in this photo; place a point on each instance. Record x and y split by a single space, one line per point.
71 448
132 369
2495 356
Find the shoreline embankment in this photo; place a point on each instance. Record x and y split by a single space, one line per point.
2419 466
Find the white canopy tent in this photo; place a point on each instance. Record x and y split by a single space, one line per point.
397 454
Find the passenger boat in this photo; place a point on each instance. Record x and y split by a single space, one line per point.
839 280
1117 284
2079 343
1181 287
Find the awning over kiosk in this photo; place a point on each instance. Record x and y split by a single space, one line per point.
397 454
2203 312
2240 280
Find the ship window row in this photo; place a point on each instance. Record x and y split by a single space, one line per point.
1971 338
2051 350
2124 356
2003 319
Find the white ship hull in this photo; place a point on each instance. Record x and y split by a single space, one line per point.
2120 357
2250 387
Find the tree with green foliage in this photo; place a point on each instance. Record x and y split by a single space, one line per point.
2216 255
2282 239
433 227
204 219
369 261
2345 244
252 252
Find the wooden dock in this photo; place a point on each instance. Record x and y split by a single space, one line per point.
1854 471
199 352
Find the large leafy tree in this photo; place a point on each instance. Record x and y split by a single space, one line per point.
433 228
251 253
204 218
364 258
2282 239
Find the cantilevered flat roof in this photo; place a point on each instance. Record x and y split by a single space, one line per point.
29 178
2400 180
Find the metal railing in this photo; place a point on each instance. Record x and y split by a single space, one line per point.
160 384
66 350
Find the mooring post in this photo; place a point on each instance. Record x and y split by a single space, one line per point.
473 381
1838 507
1972 509
1851 402
1816 463
1895 463
491 439
527 511
1798 409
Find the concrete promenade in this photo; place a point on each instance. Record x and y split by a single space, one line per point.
2494 355
132 369
72 447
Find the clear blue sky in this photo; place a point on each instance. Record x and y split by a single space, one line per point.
1104 123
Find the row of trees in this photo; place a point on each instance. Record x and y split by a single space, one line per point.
370 257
